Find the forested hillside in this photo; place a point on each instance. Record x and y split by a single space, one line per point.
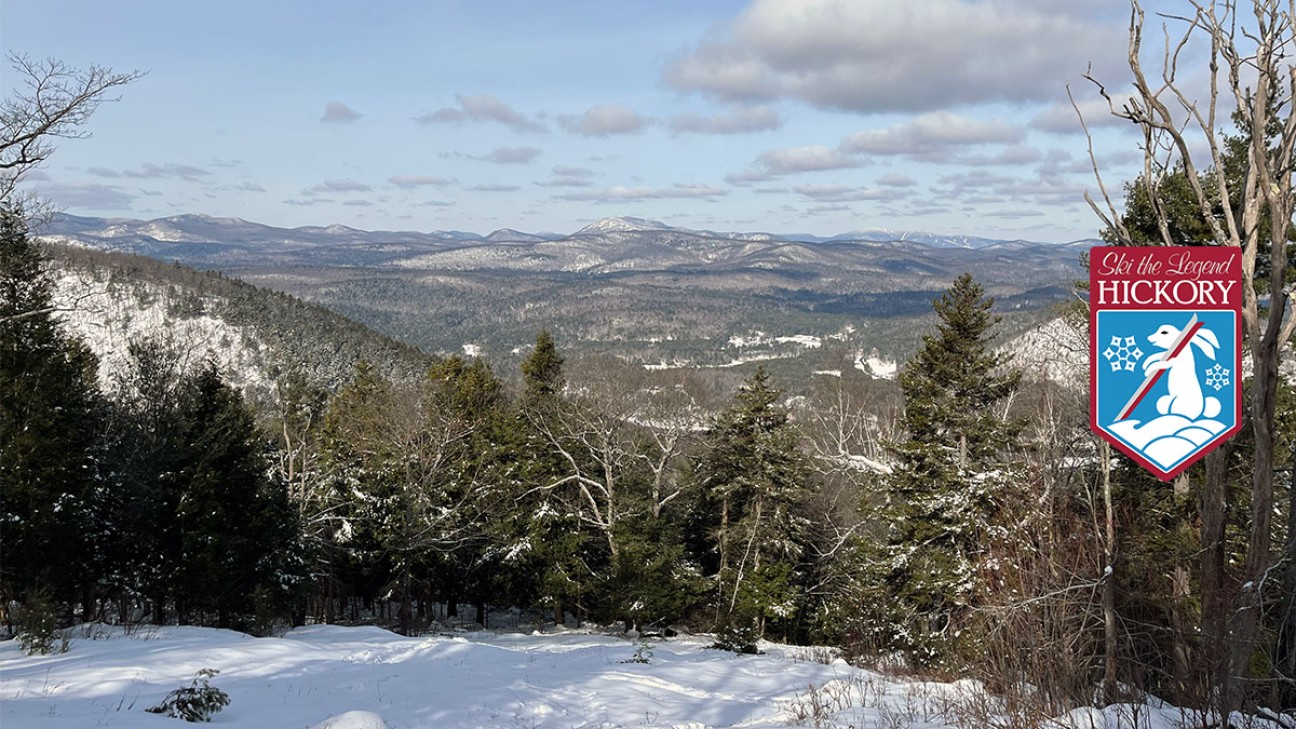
256 335
605 494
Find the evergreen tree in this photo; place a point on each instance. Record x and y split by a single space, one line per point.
140 548
558 547
357 473
49 429
751 519
952 480
238 537
542 370
468 563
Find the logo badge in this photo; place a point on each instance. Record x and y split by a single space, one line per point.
1165 351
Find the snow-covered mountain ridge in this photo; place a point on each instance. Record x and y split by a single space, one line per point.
195 237
253 335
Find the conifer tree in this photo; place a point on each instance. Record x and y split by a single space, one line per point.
239 546
357 467
542 370
140 548
952 478
470 396
49 429
754 485
558 545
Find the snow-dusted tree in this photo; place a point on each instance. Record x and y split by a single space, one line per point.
952 477
357 473
751 514
138 549
551 535
238 538
50 420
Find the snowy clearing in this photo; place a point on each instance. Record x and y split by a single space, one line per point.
368 678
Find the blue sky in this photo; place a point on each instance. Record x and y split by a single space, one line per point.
818 116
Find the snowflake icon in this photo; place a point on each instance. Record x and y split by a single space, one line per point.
1217 377
1122 353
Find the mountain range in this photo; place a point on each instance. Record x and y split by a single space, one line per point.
638 290
198 239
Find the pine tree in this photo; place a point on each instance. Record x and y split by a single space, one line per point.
239 545
357 474
542 371
140 548
558 546
752 517
471 396
952 478
50 422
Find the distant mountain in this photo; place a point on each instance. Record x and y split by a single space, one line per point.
639 290
622 224
206 241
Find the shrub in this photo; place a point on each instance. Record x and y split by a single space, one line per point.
38 627
196 702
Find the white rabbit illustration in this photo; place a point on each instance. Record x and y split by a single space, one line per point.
1185 394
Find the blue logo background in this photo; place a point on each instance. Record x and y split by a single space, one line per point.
1164 429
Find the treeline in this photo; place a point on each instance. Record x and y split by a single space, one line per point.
972 525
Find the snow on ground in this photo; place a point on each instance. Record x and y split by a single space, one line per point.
874 366
329 677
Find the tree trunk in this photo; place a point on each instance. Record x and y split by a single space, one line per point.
1214 601
1111 681
1286 657
1180 621
1245 620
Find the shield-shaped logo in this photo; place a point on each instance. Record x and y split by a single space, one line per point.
1165 351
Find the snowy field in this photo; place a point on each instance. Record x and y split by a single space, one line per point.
327 677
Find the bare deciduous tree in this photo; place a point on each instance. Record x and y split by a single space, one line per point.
1250 79
54 101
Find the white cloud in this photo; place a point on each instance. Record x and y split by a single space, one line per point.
881 55
572 171
635 194
932 134
605 121
482 108
737 120
895 179
1017 154
409 182
335 112
93 196
1061 118
845 193
338 186
792 160
509 155
569 176
150 171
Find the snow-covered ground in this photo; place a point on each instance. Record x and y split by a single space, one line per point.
327 677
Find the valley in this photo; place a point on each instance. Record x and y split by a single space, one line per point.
643 293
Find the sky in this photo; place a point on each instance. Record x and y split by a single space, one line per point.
783 116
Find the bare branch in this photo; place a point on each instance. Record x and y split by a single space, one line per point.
54 102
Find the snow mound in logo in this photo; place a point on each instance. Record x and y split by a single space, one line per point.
1168 439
